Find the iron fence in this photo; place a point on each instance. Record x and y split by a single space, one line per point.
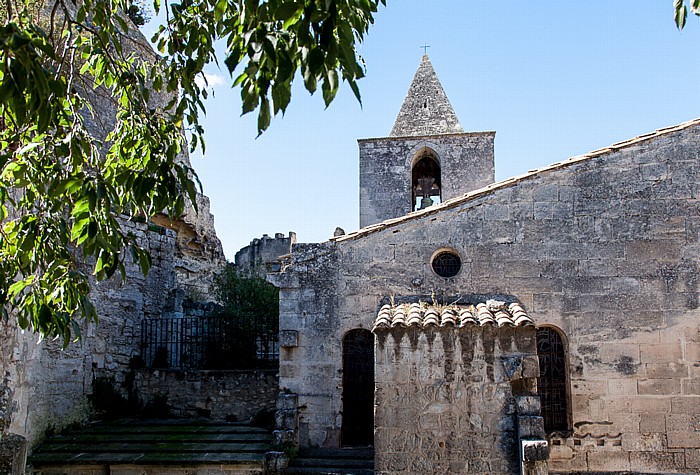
221 342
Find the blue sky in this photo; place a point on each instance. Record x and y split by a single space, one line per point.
554 79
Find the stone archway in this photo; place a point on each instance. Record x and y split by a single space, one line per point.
358 389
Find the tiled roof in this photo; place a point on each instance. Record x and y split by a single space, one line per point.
423 315
454 202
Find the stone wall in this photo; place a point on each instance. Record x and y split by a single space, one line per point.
225 395
52 387
466 162
258 257
444 401
604 248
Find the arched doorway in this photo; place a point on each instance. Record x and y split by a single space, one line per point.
358 389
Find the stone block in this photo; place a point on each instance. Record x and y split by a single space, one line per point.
531 366
666 370
657 461
685 405
284 438
662 353
613 351
690 386
287 401
622 387
598 410
275 462
530 427
608 461
635 442
683 439
528 405
652 422
577 463
286 419
643 405
659 387
561 452
590 387
689 422
13 454
692 458
534 450
288 338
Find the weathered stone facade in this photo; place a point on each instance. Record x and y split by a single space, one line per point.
444 398
466 163
52 387
602 247
224 395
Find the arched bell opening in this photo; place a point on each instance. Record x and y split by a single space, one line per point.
426 182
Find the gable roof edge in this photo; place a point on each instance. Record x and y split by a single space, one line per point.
472 195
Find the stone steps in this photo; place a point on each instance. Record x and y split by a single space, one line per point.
350 461
154 446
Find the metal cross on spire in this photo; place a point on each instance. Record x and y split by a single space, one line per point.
425 48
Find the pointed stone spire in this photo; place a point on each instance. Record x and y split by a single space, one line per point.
426 109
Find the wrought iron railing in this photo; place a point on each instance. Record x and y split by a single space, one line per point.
221 342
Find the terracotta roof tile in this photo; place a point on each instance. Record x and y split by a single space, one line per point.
425 315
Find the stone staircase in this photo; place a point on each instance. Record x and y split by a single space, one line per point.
349 461
137 446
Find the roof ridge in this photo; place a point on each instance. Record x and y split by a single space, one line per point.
451 203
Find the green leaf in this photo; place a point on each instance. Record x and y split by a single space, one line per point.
145 262
681 13
695 7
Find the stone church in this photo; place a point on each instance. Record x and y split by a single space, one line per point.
546 322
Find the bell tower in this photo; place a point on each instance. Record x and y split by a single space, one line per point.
427 158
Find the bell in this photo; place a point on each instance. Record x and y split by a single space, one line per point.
425 185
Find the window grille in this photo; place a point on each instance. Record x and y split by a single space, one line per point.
447 264
552 384
210 342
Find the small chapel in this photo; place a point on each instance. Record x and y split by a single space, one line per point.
548 322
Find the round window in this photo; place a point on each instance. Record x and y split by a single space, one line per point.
447 264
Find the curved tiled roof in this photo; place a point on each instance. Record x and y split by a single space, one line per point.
424 315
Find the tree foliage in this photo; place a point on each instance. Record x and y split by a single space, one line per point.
681 11
250 308
66 188
244 295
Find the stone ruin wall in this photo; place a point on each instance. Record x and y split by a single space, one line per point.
234 396
52 387
258 257
605 249
445 402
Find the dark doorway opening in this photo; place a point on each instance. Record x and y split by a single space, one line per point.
358 389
